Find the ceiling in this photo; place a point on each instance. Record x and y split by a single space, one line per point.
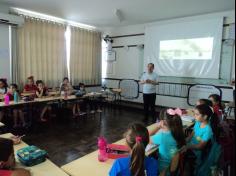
101 13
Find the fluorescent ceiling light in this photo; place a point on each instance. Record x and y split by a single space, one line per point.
50 18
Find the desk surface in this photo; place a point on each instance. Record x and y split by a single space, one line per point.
2 124
89 164
49 98
46 168
117 90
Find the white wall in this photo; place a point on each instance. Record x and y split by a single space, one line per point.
4 8
233 66
128 63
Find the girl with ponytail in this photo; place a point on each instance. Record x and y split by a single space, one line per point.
137 164
204 131
170 136
217 104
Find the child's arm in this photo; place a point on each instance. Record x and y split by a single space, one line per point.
189 137
198 146
37 93
158 126
21 172
40 93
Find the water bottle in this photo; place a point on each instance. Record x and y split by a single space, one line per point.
102 145
6 99
16 97
65 95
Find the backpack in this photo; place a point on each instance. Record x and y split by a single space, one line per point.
31 155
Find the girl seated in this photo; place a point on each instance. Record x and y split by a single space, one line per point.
3 88
204 101
66 87
170 137
137 164
205 130
41 92
18 114
3 91
7 160
217 105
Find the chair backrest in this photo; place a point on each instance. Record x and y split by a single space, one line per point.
130 88
199 91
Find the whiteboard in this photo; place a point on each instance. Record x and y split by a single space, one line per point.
200 91
5 61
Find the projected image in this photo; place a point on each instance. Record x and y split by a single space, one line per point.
187 49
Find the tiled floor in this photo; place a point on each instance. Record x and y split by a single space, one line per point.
66 139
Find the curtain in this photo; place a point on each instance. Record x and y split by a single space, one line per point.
41 51
85 56
15 62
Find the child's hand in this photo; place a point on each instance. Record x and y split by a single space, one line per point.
16 139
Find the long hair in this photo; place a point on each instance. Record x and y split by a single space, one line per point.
4 81
137 137
217 99
39 82
212 118
15 87
206 101
175 125
6 149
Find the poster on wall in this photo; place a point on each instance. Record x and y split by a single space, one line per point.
111 56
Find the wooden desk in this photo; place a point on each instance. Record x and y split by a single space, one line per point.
46 168
89 164
27 94
117 90
48 99
93 94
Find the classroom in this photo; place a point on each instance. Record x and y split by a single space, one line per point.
117 88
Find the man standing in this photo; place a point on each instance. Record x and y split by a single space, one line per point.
149 81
